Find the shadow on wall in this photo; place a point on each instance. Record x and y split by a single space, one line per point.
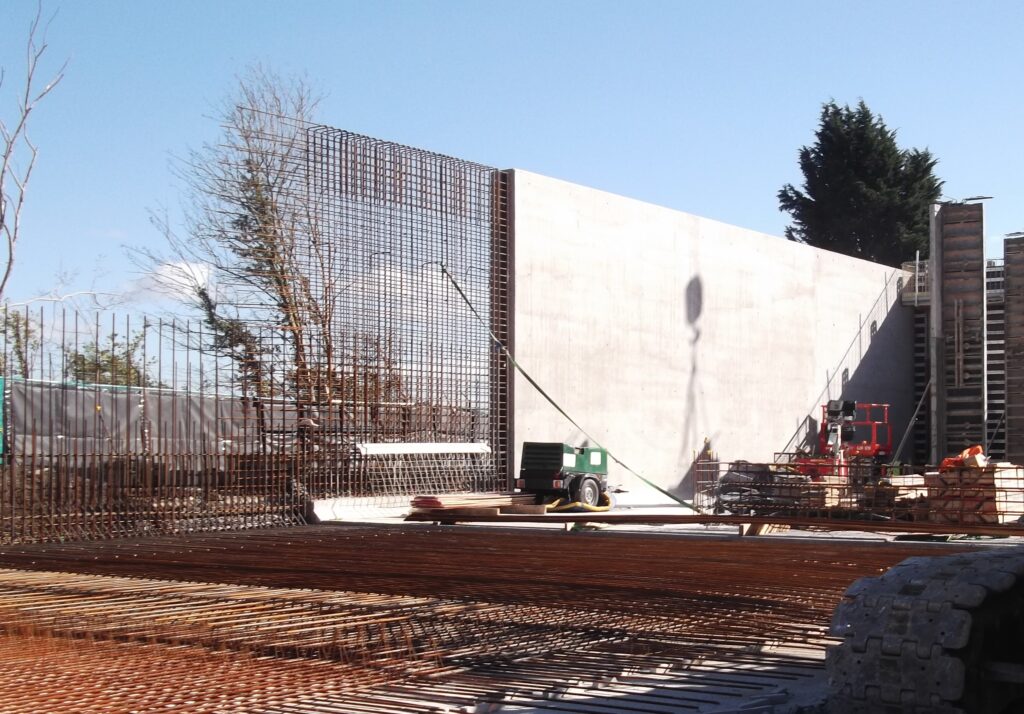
877 367
686 488
807 434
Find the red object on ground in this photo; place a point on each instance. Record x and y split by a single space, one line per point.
952 463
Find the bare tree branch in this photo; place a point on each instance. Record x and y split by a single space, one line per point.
250 257
94 294
17 151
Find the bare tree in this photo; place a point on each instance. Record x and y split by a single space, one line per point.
19 154
251 260
230 259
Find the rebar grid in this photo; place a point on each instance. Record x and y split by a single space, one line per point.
413 619
363 235
333 322
59 674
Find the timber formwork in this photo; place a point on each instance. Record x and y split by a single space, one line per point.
956 301
958 312
954 347
1014 347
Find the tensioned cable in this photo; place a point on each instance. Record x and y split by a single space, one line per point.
551 401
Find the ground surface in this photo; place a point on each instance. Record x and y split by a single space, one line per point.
389 618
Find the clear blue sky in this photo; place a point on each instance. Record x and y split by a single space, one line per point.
699 106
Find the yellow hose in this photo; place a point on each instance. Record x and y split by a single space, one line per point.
555 507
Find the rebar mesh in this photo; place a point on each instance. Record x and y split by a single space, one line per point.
333 322
406 619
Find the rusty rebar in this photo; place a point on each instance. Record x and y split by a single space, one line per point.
406 619
333 328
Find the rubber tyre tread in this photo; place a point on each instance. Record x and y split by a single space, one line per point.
906 633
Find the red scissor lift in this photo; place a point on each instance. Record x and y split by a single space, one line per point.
854 445
854 441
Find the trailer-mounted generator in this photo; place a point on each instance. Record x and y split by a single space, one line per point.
555 470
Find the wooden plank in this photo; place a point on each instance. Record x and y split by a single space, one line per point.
525 508
452 514
836 523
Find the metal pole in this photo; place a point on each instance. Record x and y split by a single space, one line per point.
910 426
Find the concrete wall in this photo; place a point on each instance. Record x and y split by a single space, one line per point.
656 329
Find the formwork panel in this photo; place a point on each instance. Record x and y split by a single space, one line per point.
961 355
1014 348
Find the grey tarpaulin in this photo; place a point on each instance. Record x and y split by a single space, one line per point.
81 421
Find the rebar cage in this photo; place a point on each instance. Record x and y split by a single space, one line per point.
363 286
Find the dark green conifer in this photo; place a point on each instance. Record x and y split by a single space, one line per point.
862 195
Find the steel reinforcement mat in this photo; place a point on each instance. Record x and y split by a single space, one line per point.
416 619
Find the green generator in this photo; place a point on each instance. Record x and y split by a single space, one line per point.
553 470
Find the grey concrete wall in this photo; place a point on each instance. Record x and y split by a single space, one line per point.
657 329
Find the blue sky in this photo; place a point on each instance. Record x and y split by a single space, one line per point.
699 106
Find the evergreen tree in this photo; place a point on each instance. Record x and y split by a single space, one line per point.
115 362
862 194
21 343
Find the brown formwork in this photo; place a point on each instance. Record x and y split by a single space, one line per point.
1014 345
960 359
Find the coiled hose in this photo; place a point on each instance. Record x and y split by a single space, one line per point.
604 504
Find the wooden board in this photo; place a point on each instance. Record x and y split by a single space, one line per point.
444 514
525 508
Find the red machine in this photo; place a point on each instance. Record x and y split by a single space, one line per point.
851 433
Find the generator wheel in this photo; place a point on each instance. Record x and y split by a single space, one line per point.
934 634
588 492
